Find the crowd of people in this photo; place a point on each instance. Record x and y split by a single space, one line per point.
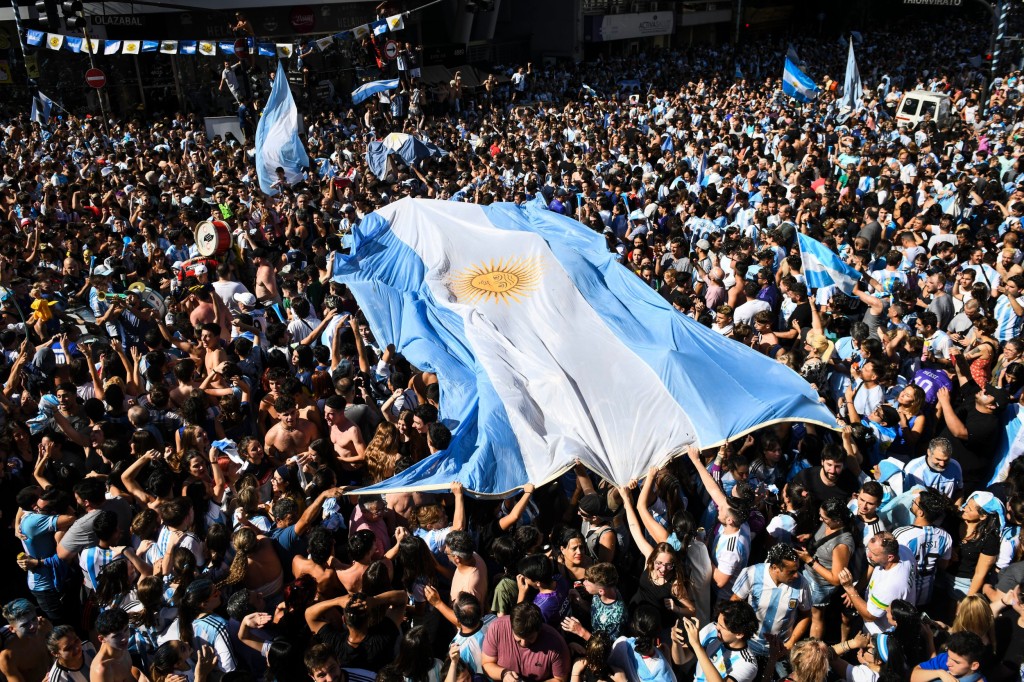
181 432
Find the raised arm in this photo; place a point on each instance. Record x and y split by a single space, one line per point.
710 484
657 531
634 523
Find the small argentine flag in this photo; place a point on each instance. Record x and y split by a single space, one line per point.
798 84
824 268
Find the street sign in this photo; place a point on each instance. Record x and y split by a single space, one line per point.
391 50
95 78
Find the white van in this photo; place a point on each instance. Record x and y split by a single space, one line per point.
917 103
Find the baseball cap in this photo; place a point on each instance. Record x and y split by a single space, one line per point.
200 270
703 244
102 271
1002 398
246 299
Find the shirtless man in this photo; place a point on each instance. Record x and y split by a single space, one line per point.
266 277
268 415
292 435
321 564
205 311
345 435
209 339
113 663
25 657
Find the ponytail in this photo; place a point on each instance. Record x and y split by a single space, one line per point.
244 542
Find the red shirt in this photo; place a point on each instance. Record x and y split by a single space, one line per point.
546 658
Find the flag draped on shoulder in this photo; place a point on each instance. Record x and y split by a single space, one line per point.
277 137
853 91
513 307
798 84
823 268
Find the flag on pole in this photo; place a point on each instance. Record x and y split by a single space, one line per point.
853 91
792 55
111 47
798 84
277 137
396 22
823 268
131 47
364 91
41 106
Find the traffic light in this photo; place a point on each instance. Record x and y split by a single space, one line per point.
47 13
74 14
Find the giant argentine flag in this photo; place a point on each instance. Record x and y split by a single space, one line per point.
547 350
277 137
823 268
797 84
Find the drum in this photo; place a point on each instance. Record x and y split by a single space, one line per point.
188 268
213 238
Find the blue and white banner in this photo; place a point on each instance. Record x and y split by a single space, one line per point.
412 150
823 268
278 144
1011 446
41 107
798 84
367 90
548 351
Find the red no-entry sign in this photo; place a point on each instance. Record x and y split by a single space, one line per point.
95 78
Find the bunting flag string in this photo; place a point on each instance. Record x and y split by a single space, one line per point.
206 48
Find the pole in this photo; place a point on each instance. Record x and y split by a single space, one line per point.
21 40
99 91
739 22
1000 34
138 74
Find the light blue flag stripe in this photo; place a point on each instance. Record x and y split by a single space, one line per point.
853 91
278 144
823 268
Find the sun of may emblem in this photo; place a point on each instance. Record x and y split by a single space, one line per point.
502 281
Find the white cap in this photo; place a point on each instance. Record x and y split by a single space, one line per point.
200 270
246 299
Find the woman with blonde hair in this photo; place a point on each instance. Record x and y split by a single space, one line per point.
383 452
256 565
809 660
974 614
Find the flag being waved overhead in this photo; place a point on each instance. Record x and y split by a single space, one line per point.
41 107
798 84
853 91
277 137
823 268
366 90
548 351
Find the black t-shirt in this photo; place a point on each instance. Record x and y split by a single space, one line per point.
373 653
974 453
972 550
802 314
844 488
